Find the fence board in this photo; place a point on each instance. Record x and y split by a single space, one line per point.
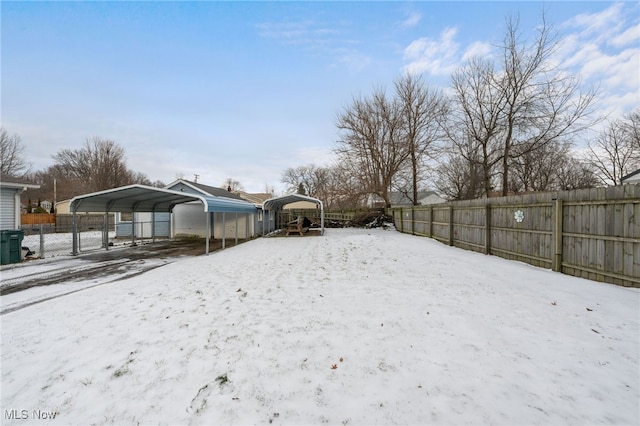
600 230
37 218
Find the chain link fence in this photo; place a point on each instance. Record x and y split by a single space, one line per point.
52 240
49 240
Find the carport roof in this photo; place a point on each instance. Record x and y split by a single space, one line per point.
142 198
278 203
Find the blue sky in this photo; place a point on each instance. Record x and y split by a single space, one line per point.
244 90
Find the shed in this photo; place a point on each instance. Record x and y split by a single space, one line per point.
273 206
142 198
10 190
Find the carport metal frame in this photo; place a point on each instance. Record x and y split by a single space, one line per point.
142 198
276 204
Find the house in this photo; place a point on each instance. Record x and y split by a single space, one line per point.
633 177
46 204
62 207
400 199
10 191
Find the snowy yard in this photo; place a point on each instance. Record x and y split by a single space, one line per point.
356 327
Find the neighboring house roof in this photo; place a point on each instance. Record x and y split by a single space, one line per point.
7 181
633 177
182 185
257 198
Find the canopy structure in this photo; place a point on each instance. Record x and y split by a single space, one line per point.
142 198
276 205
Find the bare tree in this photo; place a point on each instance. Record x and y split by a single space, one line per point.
460 176
98 165
476 118
422 113
632 129
11 155
232 185
615 152
575 174
535 169
521 103
371 143
311 177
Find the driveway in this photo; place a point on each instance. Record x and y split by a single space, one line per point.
35 281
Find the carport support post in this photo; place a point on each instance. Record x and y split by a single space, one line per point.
74 250
105 230
265 222
236 242
224 230
133 228
208 227
153 226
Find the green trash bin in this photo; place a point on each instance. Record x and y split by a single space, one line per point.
11 246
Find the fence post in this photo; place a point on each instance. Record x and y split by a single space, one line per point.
413 220
105 232
401 220
430 221
487 229
451 225
557 237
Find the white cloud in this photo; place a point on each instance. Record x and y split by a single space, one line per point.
628 37
600 22
352 59
436 56
477 48
308 34
320 40
412 20
602 48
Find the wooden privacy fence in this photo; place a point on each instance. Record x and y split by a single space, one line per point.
590 233
37 218
329 215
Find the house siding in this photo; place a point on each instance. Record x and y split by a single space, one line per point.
8 218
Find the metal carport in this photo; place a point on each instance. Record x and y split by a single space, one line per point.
142 198
276 205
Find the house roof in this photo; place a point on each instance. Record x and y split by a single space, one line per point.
257 198
142 198
633 177
204 189
7 181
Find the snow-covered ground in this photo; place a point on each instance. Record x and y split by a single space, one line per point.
356 327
